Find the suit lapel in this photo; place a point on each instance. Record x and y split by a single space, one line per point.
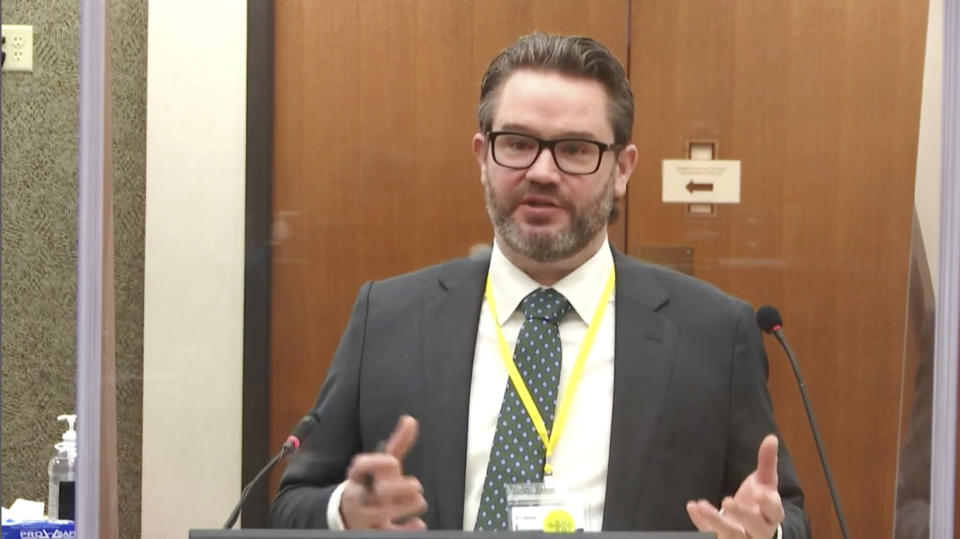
449 333
645 345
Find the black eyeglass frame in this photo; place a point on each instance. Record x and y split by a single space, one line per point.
491 137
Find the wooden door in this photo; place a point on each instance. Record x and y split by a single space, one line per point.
373 172
373 176
820 101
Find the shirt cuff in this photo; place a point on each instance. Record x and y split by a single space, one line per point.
334 520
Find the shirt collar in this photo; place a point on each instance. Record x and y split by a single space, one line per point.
582 287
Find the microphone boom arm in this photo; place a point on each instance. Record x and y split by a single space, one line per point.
813 427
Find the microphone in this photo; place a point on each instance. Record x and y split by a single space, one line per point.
770 321
292 443
768 318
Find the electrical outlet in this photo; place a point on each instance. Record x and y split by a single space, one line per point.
18 46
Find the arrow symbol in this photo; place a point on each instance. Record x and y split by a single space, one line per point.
692 186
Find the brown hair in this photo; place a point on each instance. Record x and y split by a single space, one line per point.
576 56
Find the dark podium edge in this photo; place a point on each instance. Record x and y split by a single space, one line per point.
436 534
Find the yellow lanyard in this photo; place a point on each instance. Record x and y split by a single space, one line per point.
560 421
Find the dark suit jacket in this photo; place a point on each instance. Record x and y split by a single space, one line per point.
690 401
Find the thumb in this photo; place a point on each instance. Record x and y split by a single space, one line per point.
767 461
403 437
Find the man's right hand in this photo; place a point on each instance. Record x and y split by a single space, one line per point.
377 494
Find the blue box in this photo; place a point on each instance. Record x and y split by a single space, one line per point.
38 529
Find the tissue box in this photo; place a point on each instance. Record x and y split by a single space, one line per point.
37 529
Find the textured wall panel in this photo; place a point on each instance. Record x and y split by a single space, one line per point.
128 58
39 207
39 198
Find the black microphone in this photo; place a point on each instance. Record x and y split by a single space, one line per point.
769 320
292 443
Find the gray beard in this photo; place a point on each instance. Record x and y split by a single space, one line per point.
550 247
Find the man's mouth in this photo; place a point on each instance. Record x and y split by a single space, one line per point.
539 201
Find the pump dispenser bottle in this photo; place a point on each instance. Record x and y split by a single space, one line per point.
63 473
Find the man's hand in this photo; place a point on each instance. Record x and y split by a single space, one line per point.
754 511
377 494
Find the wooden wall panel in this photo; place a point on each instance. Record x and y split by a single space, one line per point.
373 173
373 176
820 101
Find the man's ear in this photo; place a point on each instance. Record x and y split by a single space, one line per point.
626 161
480 152
480 148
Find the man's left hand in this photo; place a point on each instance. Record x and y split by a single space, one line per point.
755 511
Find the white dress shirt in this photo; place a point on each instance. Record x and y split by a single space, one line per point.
580 456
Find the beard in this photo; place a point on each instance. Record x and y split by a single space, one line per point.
585 222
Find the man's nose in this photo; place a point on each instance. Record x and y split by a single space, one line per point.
544 167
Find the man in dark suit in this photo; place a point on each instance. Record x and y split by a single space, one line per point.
638 394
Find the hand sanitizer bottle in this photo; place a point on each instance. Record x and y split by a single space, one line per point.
63 473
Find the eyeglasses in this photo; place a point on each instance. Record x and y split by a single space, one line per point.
571 155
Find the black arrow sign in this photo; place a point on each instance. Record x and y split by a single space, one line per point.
692 186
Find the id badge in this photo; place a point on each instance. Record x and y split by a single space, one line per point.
536 507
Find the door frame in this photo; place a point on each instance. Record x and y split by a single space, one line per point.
257 446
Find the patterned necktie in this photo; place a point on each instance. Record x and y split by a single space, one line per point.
517 454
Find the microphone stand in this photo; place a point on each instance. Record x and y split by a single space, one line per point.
232 519
813 427
292 443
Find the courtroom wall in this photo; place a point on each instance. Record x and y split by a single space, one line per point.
39 211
